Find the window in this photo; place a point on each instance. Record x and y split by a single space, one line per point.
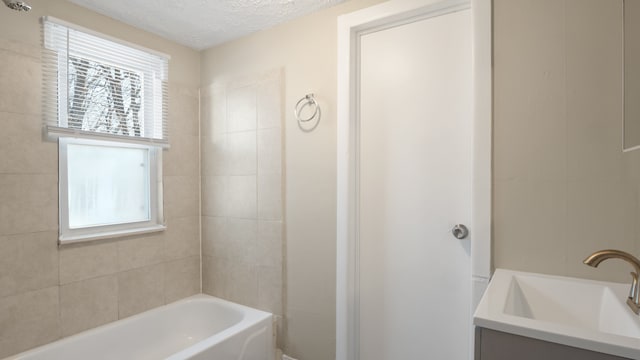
105 103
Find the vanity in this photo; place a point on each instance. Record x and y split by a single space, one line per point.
529 316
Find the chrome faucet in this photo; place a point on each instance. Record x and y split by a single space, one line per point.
599 256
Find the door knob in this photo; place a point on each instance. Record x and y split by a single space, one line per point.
460 231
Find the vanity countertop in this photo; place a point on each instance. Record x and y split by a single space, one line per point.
582 313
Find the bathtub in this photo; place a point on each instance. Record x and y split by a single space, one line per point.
199 327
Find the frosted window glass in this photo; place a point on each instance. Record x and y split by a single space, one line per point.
107 185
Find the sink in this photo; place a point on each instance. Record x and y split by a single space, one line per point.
574 303
582 313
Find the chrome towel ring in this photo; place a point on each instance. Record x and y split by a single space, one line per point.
307 101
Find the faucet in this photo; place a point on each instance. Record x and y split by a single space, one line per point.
599 256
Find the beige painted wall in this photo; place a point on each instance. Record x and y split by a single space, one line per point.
45 292
306 50
562 186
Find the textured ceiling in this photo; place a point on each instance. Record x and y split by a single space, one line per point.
204 23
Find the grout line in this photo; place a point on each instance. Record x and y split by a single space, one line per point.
200 183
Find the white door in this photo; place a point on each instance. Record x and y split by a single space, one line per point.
415 185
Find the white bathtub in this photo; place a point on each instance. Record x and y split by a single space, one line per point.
199 327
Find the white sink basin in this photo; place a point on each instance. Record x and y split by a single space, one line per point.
582 313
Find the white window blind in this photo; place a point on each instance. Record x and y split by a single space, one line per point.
99 87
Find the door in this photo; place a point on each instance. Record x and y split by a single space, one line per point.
414 180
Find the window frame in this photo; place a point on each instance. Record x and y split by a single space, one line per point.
63 40
90 233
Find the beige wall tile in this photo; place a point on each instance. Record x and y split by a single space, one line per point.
214 195
229 238
181 278
214 235
22 147
241 201
86 261
140 290
240 241
269 247
213 282
181 196
28 262
213 110
231 247
141 251
270 196
241 153
28 320
270 151
20 77
269 101
242 283
183 157
270 289
88 303
28 203
214 161
182 238
241 108
231 280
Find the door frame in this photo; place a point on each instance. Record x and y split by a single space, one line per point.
350 28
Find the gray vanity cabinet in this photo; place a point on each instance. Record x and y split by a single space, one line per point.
496 345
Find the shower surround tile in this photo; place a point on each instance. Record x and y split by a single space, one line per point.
88 303
241 153
136 253
22 148
28 262
86 261
140 290
20 76
241 108
269 196
181 278
242 238
29 319
28 203
182 238
241 201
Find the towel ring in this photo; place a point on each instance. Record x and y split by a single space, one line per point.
307 100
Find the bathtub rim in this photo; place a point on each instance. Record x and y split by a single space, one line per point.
250 316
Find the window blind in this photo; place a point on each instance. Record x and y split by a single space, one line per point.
99 87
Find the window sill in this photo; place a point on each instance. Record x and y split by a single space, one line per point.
72 239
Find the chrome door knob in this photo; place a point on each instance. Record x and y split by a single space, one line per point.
460 231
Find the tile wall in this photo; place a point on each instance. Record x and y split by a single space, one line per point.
242 198
47 292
